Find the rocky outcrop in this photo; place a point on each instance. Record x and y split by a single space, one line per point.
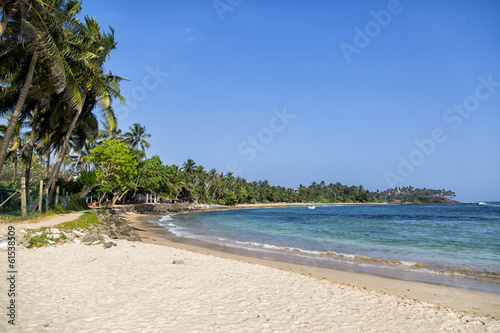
149 208
117 227
110 227
437 199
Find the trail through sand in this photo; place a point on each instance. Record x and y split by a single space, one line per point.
49 221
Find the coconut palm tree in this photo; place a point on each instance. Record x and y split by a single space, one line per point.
212 178
110 128
37 28
188 167
91 49
137 137
176 181
17 143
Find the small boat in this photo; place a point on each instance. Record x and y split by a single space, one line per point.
311 207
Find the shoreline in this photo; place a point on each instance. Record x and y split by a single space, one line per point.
446 296
400 268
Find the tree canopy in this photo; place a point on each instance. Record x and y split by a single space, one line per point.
115 168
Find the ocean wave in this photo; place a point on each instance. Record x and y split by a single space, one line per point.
166 218
181 232
488 204
344 258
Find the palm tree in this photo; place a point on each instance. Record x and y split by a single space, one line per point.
110 128
16 145
188 167
84 136
91 50
137 137
176 180
212 178
83 163
36 29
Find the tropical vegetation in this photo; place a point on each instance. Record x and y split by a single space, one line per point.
52 82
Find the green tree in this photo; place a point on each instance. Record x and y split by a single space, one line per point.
154 177
115 167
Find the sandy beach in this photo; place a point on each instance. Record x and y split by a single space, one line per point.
137 286
156 288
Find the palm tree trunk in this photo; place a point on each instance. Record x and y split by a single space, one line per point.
52 180
31 146
15 115
14 174
47 166
76 164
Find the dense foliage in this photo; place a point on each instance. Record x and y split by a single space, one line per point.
411 194
52 82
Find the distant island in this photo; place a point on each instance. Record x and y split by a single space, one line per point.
415 195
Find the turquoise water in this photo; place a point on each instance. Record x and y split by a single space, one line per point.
458 241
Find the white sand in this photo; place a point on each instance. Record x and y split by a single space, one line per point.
135 287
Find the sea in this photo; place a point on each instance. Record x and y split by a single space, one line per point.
448 244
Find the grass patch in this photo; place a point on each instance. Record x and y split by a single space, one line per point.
40 240
41 236
87 220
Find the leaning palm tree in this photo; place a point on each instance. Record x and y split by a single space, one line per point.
110 128
137 137
90 49
36 28
16 145
85 132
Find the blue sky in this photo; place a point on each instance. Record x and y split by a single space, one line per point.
372 93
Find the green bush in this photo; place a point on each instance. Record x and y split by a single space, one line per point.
78 204
86 221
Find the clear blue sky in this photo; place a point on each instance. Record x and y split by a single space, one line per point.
300 91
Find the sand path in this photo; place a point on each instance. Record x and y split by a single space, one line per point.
49 221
